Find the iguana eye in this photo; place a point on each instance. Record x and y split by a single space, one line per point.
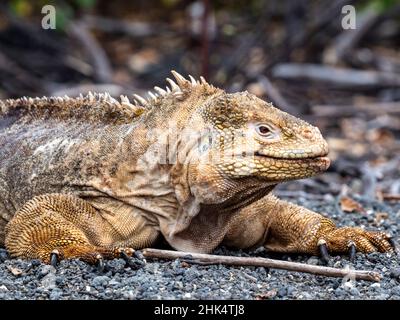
264 130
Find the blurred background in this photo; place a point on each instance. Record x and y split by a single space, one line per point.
293 53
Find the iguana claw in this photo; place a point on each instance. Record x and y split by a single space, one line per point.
100 264
352 251
132 263
323 251
54 258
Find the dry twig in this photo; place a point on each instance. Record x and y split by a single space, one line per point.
200 258
342 77
276 97
391 197
131 28
339 111
96 54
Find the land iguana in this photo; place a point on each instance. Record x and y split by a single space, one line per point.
94 178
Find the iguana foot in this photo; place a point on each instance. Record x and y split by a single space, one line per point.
281 226
96 257
55 227
350 240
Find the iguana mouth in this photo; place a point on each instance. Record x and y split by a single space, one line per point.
322 163
322 156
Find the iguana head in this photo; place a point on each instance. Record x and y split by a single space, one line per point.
251 138
238 145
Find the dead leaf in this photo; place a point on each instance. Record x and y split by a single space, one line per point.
267 295
381 136
380 217
184 264
15 271
349 205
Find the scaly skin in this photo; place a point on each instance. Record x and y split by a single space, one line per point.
92 177
290 228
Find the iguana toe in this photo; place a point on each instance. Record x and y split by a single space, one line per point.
133 263
352 240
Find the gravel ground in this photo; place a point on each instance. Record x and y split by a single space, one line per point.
178 280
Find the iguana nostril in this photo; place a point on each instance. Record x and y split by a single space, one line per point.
307 133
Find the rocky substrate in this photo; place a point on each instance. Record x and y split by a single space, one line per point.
179 280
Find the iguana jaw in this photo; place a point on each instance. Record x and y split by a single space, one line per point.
282 169
273 170
305 152
292 163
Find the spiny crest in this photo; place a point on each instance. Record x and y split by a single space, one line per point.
102 107
177 89
96 107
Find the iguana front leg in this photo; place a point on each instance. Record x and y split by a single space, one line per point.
69 227
284 227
